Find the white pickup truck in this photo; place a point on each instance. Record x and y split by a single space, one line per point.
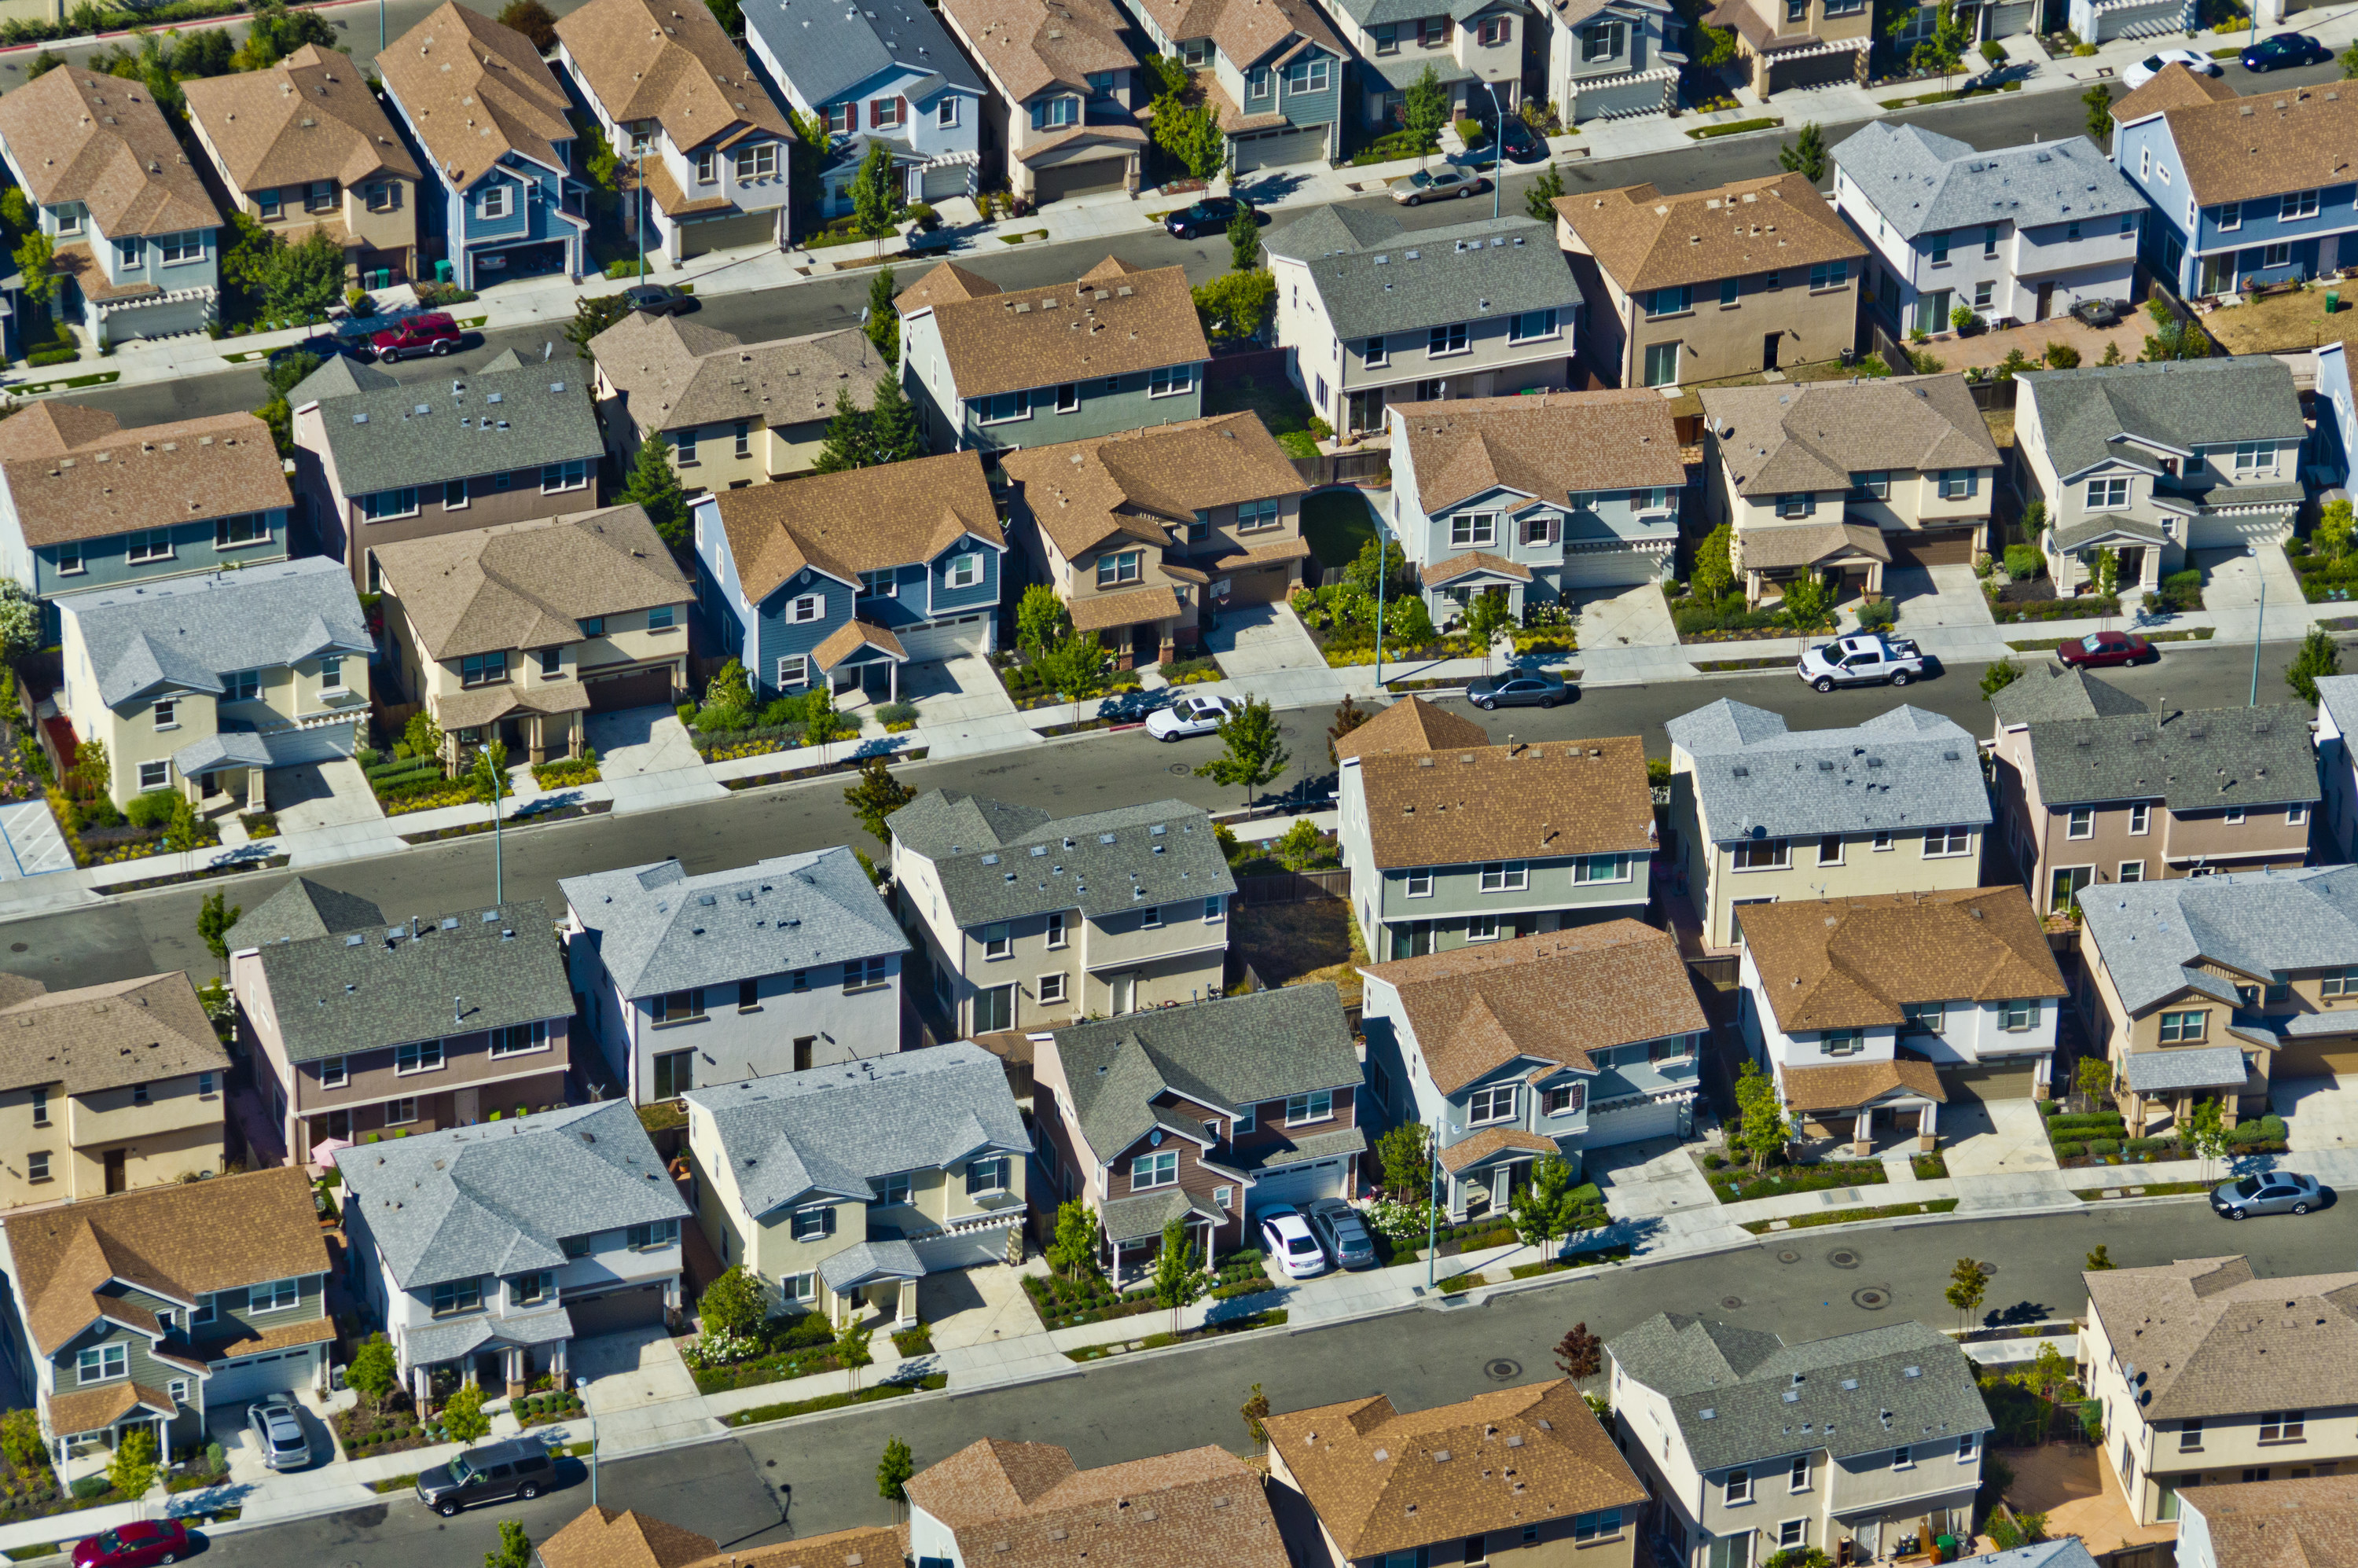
1866 658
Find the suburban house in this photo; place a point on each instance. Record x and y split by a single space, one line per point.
491 120
1061 117
306 146
677 100
521 631
301 908
1439 1502
838 579
2094 787
1450 840
992 370
2337 764
1897 1003
135 234
150 1311
2151 461
1876 1435
2243 1524
1655 270
601 1537
390 1032
2244 189
1763 813
1206 1114
785 964
1544 1045
1614 59
1141 534
2216 987
841 1186
881 74
2019 233
1846 478
487 1250
379 461
729 413
1022 919
1368 314
2212 1376
1538 497
205 683
1016 1505
1782 44
85 504
1470 46
1271 69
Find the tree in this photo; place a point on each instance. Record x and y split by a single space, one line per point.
592 314
132 1469
1072 1251
1041 618
20 621
2173 336
883 323
1967 1286
422 735
2318 656
1543 1209
872 196
734 1303
893 1470
1579 1354
2337 528
1806 599
1714 47
180 830
846 444
35 253
1077 668
1404 1154
304 279
876 797
1805 155
463 1414
821 721
489 777
2098 101
1255 1409
1409 625
1253 754
1714 577
1487 615
654 487
894 435
729 14
1236 306
1761 1128
1300 846
280 381
1424 109
2091 1079
1379 570
42 64
1244 240
374 1372
2106 572
851 1352
1348 716
2206 1133
1540 196
1178 1279
1191 133
1942 48
1999 676
515 1550
21 1440
277 32
2101 1259
531 18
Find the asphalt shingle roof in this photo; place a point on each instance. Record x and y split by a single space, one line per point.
2202 1068
387 437
2100 413
300 909
829 48
2149 935
1001 862
1920 180
1494 266
1903 770
1777 439
2199 759
188 632
2051 691
2214 1340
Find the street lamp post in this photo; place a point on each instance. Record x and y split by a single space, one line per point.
638 205
581 1386
499 851
2260 628
1498 147
1433 1211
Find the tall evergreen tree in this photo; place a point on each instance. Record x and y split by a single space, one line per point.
894 433
656 487
883 323
849 443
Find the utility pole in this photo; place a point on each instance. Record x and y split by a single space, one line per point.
638 205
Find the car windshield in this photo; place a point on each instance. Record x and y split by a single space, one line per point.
2153 62
2249 1187
2091 645
460 1471
110 1542
1302 1244
286 1442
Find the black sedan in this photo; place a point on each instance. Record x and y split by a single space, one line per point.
1211 215
658 298
2284 48
1522 147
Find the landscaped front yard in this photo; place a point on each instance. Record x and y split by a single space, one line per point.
1734 1183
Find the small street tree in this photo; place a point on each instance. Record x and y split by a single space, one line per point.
463 1414
1244 240
2101 1259
374 1372
1255 1409
2336 530
1424 109
1542 1208
2318 656
1404 1154
1077 668
883 323
1714 576
1488 616
515 1550
35 253
1348 716
1073 1250
132 1469
592 314
851 1352
877 795
1761 1128
654 487
1579 1354
2206 1133
872 195
1539 197
533 19
2091 1080
1041 620
1178 1279
1999 676
1967 1286
2105 570
1253 753
2098 101
1805 155
893 1470
215 915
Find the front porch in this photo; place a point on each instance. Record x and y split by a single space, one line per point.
1481 1172
2161 1088
1144 626
1854 553
878 1276
1134 1230
532 721
1449 585
2144 553
500 1356
861 658
1845 1101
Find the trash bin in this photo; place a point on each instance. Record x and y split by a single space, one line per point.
1944 1548
2333 300
442 271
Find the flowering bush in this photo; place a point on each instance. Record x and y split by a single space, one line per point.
719 1347
1400 1221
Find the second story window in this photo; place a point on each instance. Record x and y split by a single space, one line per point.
842 119
964 571
891 1190
103 1364
1387 37
1467 529
1260 81
1924 1017
1841 1041
498 201
1434 32
483 669
275 1295
1122 566
1532 326
708 167
877 584
884 114
130 255
1568 1099
677 1006
2190 1436
2283 1426
1444 341
1375 356
2254 459
1506 876
758 161
2019 1017
168 714
2108 494
558 477
517 1039
998 942
1943 841
1004 406
2082 823
1056 928
183 247
245 528
320 196
533 1289
1828 275
40 1097
862 973
2182 1028
241 686
811 1224
1307 75
272 206
1485 1106
149 545
1254 516
1170 381
334 1074
1872 485
2296 204
985 1176
653 1236
1959 485
945 108
1599 41
1738 1487
457 1296
1763 854
1157 1170
1799 504
69 218
2141 818
1316 1106
382 504
423 1056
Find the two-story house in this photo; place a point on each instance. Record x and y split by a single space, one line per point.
498 199
1539 497
1845 478
2094 787
1453 840
1119 350
840 1187
2337 764
2244 189
135 236
488 1250
1205 1113
1470 46
1022 919
205 684
1750 1446
2233 1523
1018 1505
604 1537
107 1088
389 1032
1544 1045
838 579
1617 58
1440 1502
1765 814
306 146
1784 44
2016 234
379 461
153 1310
2150 462
1141 534
520 632
729 413
1061 116
1370 315
882 74
785 964
1271 69
85 504
1752 275
1897 1003
689 118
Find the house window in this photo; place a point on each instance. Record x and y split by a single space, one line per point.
276 1295
1967 1446
2108 494
1601 41
387 504
1958 484
155 775
1375 356
458 1295
1253 517
1539 530
420 1056
531 1290
1050 114
149 545
1052 987
661 618
945 110
1738 1487
1940 244
1259 83
1791 1533
1841 1041
884 114
141 1094
2190 1436
1828 275
399 1111
103 1364
2296 816
1662 361
985 1176
1307 75
964 571
2276 255
1487 1106
516 1039
2140 818
794 670
843 118
130 255
183 247
1797 503
1532 326
1122 566
1984 293
1763 854
2254 457
1945 841
2082 823
69 559
862 973
1601 869
334 1074
891 1190
758 161
272 206
651 1236
1829 850
810 1224
1482 928
1419 882
2182 1028
1589 1527
806 609
1006 408
1925 1017
1797 1479
483 669
1873 485
1568 1100
2295 204
1056 928
677 1006
879 584
1150 918
556 478
995 941
36 1166
2131 871
1170 381
1442 341
2283 1426
1470 528
1901 1458
1316 1106
498 200
167 714
708 167
683 448
2234 816
205 1085
1157 1170
1506 876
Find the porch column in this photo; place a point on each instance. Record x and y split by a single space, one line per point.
892 679
1863 1135
904 1309
420 1387
1928 1125
574 725
513 1364
538 750
468 1375
254 799
557 1367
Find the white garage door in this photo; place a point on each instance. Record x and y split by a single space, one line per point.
321 743
966 1250
1272 149
1612 566
945 639
238 1381
1631 1123
1297 1186
946 181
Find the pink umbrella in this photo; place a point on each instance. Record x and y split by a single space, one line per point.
323 1153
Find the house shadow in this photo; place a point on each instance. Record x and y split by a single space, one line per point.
541 805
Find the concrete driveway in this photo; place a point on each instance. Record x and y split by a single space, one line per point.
320 794
1635 617
626 1370
2319 1113
2231 579
1936 596
978 1306
641 740
1266 651
1994 1137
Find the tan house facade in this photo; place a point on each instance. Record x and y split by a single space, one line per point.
1062 119
1784 44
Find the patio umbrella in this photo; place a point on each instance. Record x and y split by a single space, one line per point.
323 1153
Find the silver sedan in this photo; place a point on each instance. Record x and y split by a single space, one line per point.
2270 1191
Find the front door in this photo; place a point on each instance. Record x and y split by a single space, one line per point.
1145 645
340 1125
115 1179
2132 575
1125 991
1769 350
465 1108
2045 301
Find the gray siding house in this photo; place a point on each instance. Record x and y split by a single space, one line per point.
1271 70
1612 58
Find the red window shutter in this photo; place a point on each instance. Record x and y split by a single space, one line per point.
1448 28
850 119
902 108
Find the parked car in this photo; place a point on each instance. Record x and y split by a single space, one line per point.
1292 1245
2151 65
432 332
1869 658
2099 312
2284 48
1522 688
134 1545
2106 649
658 298
1197 715
1522 147
1212 215
276 1423
1338 1229
2270 1191
1437 184
519 1468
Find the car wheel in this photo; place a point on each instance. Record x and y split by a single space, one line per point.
1463 194
1170 740
1416 201
1550 701
440 348
2300 1209
527 1492
1900 678
2235 1214
1824 683
1488 705
169 1557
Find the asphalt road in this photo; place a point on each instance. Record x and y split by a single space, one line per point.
1419 1357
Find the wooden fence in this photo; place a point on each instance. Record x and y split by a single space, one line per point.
1292 887
1369 464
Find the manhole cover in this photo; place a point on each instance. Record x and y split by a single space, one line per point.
1180 769
1842 1258
1987 1270
1501 1370
1731 1303
1789 1256
1874 1298
15 947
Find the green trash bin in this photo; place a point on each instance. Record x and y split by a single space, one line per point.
2333 300
442 271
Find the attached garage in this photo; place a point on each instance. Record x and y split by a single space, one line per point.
725 233
1060 180
634 1306
319 743
1633 1123
1614 565
1299 1185
633 688
234 1382
1933 548
1272 149
2333 1058
944 639
966 1249
943 181
1996 1080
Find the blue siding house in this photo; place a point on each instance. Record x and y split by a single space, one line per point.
1271 70
2245 191
842 578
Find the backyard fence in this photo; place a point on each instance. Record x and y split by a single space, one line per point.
1292 887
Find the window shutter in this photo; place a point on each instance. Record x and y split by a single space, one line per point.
903 109
1448 33
827 1229
851 118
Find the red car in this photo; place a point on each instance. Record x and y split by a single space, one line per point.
134 1545
431 333
2106 649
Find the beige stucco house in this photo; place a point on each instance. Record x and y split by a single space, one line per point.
1062 119
1784 44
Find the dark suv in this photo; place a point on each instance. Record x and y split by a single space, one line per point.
434 333
518 1467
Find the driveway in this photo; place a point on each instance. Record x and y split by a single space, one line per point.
1635 617
641 740
962 707
2231 579
320 794
636 1368
2319 1113
1266 652
1994 1137
978 1306
1936 596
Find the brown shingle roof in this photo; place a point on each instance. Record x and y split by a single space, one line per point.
2236 149
858 520
1848 963
1022 1505
1846 1085
1100 611
486 703
46 430
475 92
2172 87
1411 724
1385 1481
947 281
92 1410
1026 45
217 466
525 585
652 60
1768 550
1070 331
1646 240
1145 482
2308 1523
101 1037
1470 564
850 638
621 1538
1493 803
1245 30
1814 436
1555 997
75 135
2215 1340
1470 1151
1551 447
309 117
678 374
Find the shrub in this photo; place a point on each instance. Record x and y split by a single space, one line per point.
2023 562
149 810
2182 590
53 357
2104 1146
806 1331
2149 1145
2069 1150
897 713
1881 614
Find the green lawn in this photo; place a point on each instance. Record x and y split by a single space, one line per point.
1336 524
1281 408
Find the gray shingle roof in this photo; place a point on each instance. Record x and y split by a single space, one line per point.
1920 181
1859 1393
2199 759
2051 691
1490 267
999 862
446 1341
188 632
2150 935
831 1131
1324 231
2202 1068
886 1258
424 433
2337 697
477 969
303 908
827 47
2182 404
1367 12
1903 770
1135 1219
658 929
502 1198
2068 1552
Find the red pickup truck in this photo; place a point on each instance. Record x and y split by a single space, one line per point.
433 332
